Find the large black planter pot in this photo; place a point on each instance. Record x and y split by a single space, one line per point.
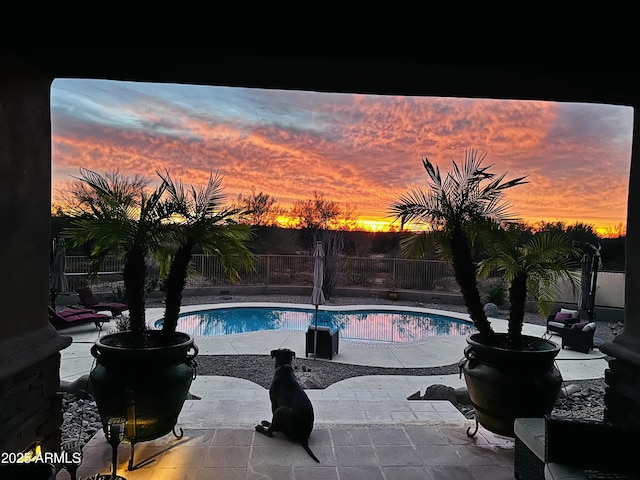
506 384
146 385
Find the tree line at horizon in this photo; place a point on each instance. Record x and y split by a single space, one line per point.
262 210
316 217
275 240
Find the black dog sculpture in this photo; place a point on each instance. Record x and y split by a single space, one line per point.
291 407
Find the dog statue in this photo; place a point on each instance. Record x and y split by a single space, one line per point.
290 405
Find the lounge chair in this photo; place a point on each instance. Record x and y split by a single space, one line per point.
71 317
89 301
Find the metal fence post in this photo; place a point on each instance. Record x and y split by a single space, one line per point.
268 270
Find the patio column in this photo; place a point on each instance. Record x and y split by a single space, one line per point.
30 407
622 396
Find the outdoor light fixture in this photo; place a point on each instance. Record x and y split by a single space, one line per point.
31 463
30 455
115 434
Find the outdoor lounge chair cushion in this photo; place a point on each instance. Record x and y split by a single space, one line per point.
584 326
89 301
573 313
562 317
72 316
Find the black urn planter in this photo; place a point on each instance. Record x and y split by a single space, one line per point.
506 384
146 385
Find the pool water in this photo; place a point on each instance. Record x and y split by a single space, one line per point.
369 325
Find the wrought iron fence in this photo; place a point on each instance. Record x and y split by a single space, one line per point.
297 270
384 273
109 277
207 271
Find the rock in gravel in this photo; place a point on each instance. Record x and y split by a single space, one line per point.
81 419
80 387
308 380
567 391
440 392
491 310
462 395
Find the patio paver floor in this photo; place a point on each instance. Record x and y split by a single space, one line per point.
362 452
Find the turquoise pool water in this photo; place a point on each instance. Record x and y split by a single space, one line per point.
369 325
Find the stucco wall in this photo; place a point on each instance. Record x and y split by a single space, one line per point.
29 345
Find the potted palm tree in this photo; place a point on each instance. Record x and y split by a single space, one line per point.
199 219
144 375
453 210
457 209
118 215
515 376
530 268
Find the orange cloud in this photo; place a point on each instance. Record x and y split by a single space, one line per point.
358 149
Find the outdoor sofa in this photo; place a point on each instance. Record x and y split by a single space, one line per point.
557 322
558 448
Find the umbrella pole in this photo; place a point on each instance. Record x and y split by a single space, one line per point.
315 337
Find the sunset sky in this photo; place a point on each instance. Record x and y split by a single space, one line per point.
363 150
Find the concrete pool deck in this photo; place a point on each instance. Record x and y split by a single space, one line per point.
431 352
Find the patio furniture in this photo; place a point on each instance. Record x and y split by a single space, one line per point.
594 448
555 448
576 333
327 341
556 322
89 301
71 317
579 336
529 442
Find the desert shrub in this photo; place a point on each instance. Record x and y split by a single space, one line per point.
119 294
123 323
496 294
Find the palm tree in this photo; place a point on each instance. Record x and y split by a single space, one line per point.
533 267
199 219
455 207
118 215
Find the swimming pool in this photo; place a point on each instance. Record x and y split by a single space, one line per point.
368 324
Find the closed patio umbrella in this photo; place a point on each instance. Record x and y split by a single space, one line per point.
585 283
58 280
317 295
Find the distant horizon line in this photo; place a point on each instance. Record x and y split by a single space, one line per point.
386 226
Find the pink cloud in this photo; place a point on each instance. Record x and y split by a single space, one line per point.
366 151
